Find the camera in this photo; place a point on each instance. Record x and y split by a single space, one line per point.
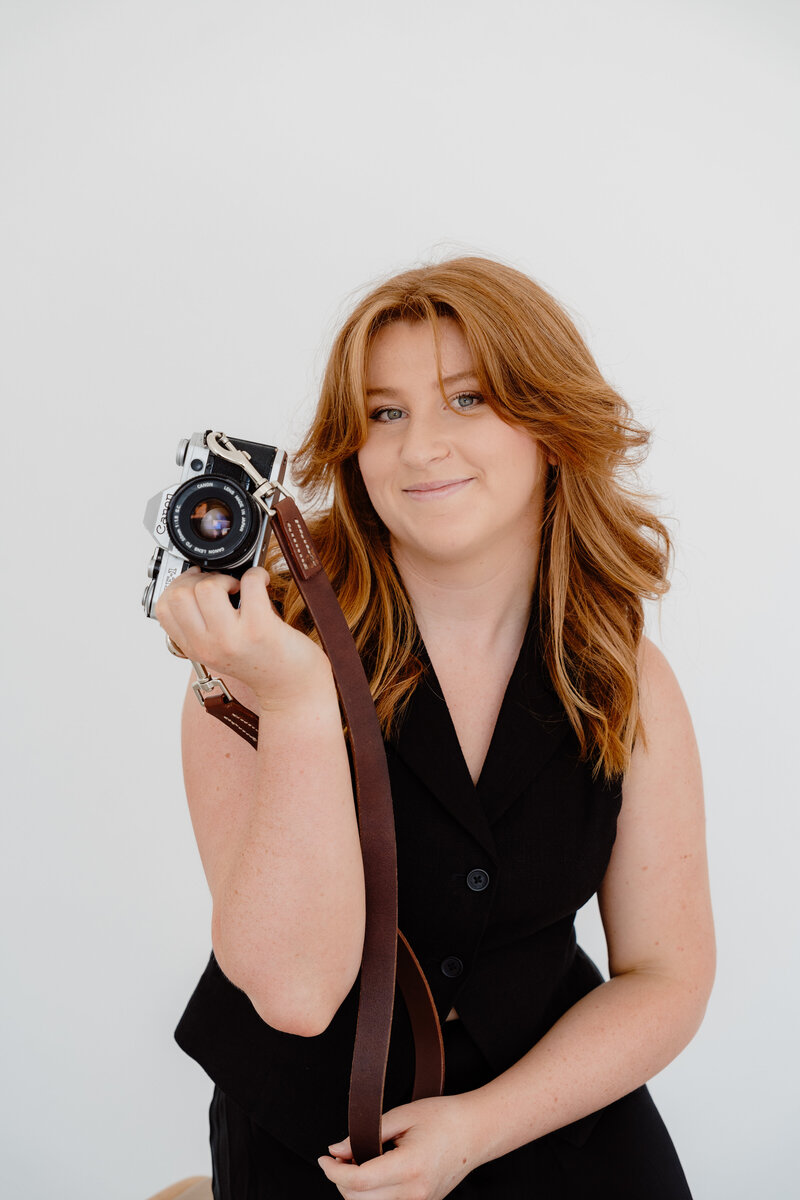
217 515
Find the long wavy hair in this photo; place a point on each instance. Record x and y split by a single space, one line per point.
603 550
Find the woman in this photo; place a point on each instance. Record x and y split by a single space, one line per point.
491 559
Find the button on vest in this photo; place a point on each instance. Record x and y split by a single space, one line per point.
477 880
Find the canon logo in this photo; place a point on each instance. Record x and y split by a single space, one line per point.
161 527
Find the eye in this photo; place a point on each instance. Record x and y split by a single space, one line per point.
386 415
466 401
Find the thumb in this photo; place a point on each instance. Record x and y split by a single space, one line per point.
396 1121
341 1149
393 1122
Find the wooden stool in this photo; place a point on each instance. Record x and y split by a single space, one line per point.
196 1188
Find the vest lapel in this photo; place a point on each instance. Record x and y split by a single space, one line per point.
428 744
530 727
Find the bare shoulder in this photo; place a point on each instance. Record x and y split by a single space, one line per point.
660 695
654 898
669 740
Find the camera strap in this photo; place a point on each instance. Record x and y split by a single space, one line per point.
387 959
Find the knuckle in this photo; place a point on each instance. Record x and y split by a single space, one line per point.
206 583
176 592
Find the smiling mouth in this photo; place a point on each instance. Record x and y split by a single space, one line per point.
436 490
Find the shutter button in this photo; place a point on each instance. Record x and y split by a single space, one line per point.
452 966
477 880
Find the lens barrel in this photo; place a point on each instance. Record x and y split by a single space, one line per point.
213 522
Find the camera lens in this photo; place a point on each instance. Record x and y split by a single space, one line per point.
213 522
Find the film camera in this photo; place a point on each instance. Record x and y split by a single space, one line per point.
217 515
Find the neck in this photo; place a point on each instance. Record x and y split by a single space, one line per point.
480 604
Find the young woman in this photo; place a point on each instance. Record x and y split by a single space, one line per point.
491 556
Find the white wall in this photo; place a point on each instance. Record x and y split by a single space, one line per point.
191 191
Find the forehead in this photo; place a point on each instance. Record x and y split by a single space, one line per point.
409 348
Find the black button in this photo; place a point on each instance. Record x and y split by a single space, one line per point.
452 966
477 880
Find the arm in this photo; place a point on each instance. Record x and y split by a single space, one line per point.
276 828
656 912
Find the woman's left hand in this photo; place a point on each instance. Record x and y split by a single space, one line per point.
434 1151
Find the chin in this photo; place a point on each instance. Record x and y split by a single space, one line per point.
445 552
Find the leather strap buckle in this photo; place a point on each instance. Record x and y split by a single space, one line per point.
205 684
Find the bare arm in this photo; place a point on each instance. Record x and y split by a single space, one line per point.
656 911
276 828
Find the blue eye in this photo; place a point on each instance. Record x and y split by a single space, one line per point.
465 401
386 415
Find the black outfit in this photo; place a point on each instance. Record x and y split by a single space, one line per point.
490 878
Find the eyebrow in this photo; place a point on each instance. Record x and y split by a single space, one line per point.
446 380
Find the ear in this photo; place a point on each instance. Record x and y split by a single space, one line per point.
552 461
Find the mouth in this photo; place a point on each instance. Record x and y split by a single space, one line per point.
437 489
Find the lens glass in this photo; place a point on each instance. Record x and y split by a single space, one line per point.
211 520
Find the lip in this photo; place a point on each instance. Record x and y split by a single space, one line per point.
437 489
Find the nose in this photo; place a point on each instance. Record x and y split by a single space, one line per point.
425 441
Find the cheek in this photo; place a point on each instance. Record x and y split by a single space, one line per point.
520 460
371 472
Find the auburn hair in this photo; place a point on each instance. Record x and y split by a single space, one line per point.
603 550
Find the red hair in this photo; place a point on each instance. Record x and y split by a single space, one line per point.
603 550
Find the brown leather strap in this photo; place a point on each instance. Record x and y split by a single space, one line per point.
384 958
428 1045
233 714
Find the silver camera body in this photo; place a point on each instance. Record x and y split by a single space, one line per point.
210 518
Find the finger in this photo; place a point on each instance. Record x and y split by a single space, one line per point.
178 615
228 583
341 1149
255 605
173 630
398 1120
211 593
186 579
394 1121
387 1171
255 582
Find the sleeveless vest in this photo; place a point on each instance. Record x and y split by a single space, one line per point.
490 877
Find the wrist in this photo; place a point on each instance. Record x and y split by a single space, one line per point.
475 1120
314 697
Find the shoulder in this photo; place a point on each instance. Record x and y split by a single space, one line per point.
662 788
654 899
662 707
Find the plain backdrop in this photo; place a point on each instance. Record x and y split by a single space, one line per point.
192 193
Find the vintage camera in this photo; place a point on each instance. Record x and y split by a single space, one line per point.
217 515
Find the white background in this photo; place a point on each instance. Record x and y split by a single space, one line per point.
192 191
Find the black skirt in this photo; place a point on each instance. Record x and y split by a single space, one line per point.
623 1151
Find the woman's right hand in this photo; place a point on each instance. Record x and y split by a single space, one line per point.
280 665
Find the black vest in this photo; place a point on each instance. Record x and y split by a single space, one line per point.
490 878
